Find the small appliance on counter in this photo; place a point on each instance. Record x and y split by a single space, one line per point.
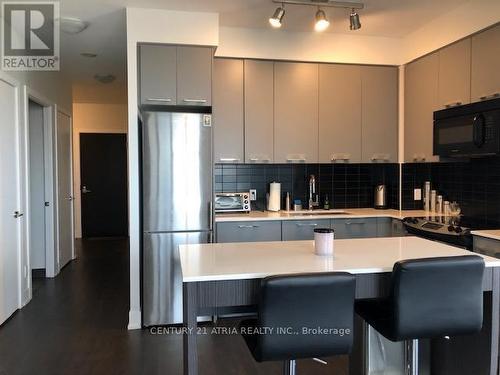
232 202
380 197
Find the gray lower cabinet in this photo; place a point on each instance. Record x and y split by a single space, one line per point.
398 228
384 227
487 246
158 67
249 231
296 230
355 228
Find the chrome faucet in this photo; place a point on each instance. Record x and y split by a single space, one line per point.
313 197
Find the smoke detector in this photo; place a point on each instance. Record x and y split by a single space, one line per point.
71 25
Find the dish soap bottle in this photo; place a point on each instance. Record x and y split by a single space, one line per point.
326 205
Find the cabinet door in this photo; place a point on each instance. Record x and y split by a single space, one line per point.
398 228
296 112
158 74
379 114
259 111
421 88
228 110
355 228
454 74
485 72
251 231
384 227
194 76
339 113
297 230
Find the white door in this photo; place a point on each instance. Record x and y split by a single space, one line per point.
64 189
10 222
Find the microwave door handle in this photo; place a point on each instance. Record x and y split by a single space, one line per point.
478 131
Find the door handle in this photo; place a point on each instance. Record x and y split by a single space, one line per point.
85 190
17 214
70 198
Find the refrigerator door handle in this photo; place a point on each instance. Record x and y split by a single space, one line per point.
211 214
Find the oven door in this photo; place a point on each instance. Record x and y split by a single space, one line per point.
229 203
467 135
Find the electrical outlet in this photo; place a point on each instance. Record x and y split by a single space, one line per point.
417 194
253 194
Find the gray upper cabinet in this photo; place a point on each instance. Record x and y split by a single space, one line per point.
296 112
339 113
454 74
379 105
158 67
259 111
228 110
194 76
421 90
485 72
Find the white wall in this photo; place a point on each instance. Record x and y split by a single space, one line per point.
169 27
93 118
308 46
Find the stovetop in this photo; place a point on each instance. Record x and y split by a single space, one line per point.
453 230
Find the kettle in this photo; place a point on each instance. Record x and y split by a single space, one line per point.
380 197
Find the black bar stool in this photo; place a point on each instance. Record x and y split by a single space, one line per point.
302 316
429 298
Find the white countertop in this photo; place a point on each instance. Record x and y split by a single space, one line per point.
251 260
493 234
349 213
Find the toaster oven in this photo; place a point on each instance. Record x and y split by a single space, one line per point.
232 202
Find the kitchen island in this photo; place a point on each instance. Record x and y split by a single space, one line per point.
222 275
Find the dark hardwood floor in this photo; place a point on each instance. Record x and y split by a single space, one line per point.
76 324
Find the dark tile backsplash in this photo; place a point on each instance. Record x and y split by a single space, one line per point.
474 184
347 185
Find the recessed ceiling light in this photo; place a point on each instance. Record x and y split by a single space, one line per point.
88 54
71 25
322 22
104 78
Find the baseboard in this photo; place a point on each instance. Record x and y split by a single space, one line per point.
134 319
38 273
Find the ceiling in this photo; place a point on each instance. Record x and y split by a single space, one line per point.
106 35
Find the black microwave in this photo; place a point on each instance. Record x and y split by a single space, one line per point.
468 130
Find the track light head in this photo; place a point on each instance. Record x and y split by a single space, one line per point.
277 19
355 22
322 22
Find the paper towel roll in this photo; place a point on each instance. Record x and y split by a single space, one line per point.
274 196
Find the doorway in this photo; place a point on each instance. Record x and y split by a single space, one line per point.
37 184
103 179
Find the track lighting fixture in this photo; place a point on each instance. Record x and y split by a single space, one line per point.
321 21
277 18
354 18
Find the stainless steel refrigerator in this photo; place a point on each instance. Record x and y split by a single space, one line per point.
177 205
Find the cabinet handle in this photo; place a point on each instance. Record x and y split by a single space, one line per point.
307 225
355 223
341 157
417 158
195 100
291 160
382 157
165 100
229 160
491 96
248 226
265 160
451 105
70 198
